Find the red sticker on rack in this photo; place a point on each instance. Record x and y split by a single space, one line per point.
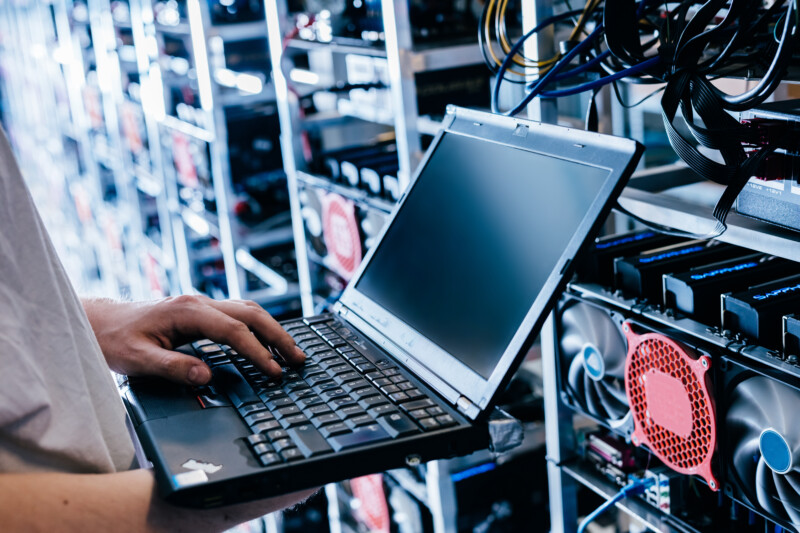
340 231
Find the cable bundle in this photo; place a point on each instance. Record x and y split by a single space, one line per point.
683 45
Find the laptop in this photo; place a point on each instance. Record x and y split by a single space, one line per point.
406 367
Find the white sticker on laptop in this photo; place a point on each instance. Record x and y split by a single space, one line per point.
208 468
186 479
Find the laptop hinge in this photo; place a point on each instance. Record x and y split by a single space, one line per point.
466 407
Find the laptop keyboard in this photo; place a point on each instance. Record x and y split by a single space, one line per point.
338 400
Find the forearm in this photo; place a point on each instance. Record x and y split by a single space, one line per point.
124 502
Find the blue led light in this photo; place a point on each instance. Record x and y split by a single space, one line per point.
777 292
667 255
721 271
474 471
624 240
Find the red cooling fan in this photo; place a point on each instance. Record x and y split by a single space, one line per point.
669 393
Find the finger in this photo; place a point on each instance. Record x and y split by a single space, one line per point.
174 366
202 319
264 326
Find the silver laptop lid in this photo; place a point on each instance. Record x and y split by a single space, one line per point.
479 247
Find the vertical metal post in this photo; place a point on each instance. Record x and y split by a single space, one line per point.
276 12
399 45
559 439
441 497
541 47
199 18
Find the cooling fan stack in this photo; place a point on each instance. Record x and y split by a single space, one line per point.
592 351
763 439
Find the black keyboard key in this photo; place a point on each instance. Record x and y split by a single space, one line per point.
334 429
271 394
295 386
295 420
350 386
390 389
309 373
429 424
382 382
405 385
446 421
339 369
365 367
398 397
277 434
264 427
317 378
415 394
256 438
341 379
255 418
351 411
420 413
373 375
323 330
381 410
309 401
317 320
398 425
337 342
383 364
372 401
269 459
229 379
361 436
277 403
325 386
252 408
298 395
262 447
209 348
341 403
332 394
330 362
435 411
361 394
287 411
357 421
309 441
291 454
417 404
389 372
306 335
358 360
320 409
317 350
325 419
398 379
307 344
202 342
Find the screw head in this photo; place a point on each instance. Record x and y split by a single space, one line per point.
713 484
704 362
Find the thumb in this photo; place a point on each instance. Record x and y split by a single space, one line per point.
177 367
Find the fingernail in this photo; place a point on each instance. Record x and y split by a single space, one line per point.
275 367
198 375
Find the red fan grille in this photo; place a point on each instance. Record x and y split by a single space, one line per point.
673 414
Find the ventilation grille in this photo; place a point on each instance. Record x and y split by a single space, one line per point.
669 397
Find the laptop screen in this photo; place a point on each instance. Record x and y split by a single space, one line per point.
475 242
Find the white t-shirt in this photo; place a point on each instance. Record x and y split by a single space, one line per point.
59 406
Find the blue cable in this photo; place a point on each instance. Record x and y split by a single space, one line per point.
602 81
518 45
637 486
539 84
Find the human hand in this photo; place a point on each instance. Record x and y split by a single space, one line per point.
138 338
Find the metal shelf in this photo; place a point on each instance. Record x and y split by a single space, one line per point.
634 507
676 197
241 31
337 47
357 195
